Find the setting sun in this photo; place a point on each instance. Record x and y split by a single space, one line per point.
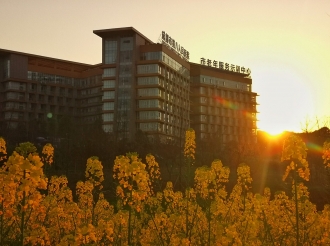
274 132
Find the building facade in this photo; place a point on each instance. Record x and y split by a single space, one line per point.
36 88
145 86
223 108
139 86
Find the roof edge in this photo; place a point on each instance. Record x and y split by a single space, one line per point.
44 57
103 32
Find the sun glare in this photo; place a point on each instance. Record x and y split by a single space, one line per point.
273 134
274 131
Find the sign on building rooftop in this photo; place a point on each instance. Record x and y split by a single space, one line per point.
173 45
225 66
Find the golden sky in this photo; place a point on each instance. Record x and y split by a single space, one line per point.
286 43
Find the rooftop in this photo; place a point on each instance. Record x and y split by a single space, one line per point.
104 33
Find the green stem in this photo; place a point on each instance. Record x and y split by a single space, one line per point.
59 228
129 220
171 233
194 217
209 224
188 196
228 210
23 213
93 214
244 234
244 197
9 228
27 218
94 197
22 220
187 213
1 225
297 213
74 223
158 233
267 227
129 226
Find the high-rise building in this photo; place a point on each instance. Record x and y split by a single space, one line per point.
223 108
140 85
145 86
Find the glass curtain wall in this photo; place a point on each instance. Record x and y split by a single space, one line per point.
4 68
110 51
110 57
124 86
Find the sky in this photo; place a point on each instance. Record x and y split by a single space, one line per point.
285 43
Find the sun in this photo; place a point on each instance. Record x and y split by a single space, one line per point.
273 132
270 136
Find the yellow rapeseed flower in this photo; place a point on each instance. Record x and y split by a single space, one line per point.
190 144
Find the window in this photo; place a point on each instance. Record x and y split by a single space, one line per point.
202 90
125 69
33 87
148 81
12 95
108 95
6 69
151 68
11 115
43 88
108 128
203 118
149 115
108 106
109 72
126 56
109 83
11 105
93 100
107 117
153 126
126 43
12 85
152 56
149 92
110 51
149 103
203 99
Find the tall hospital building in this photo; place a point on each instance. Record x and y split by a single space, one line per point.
140 85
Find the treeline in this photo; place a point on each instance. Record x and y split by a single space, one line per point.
75 143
